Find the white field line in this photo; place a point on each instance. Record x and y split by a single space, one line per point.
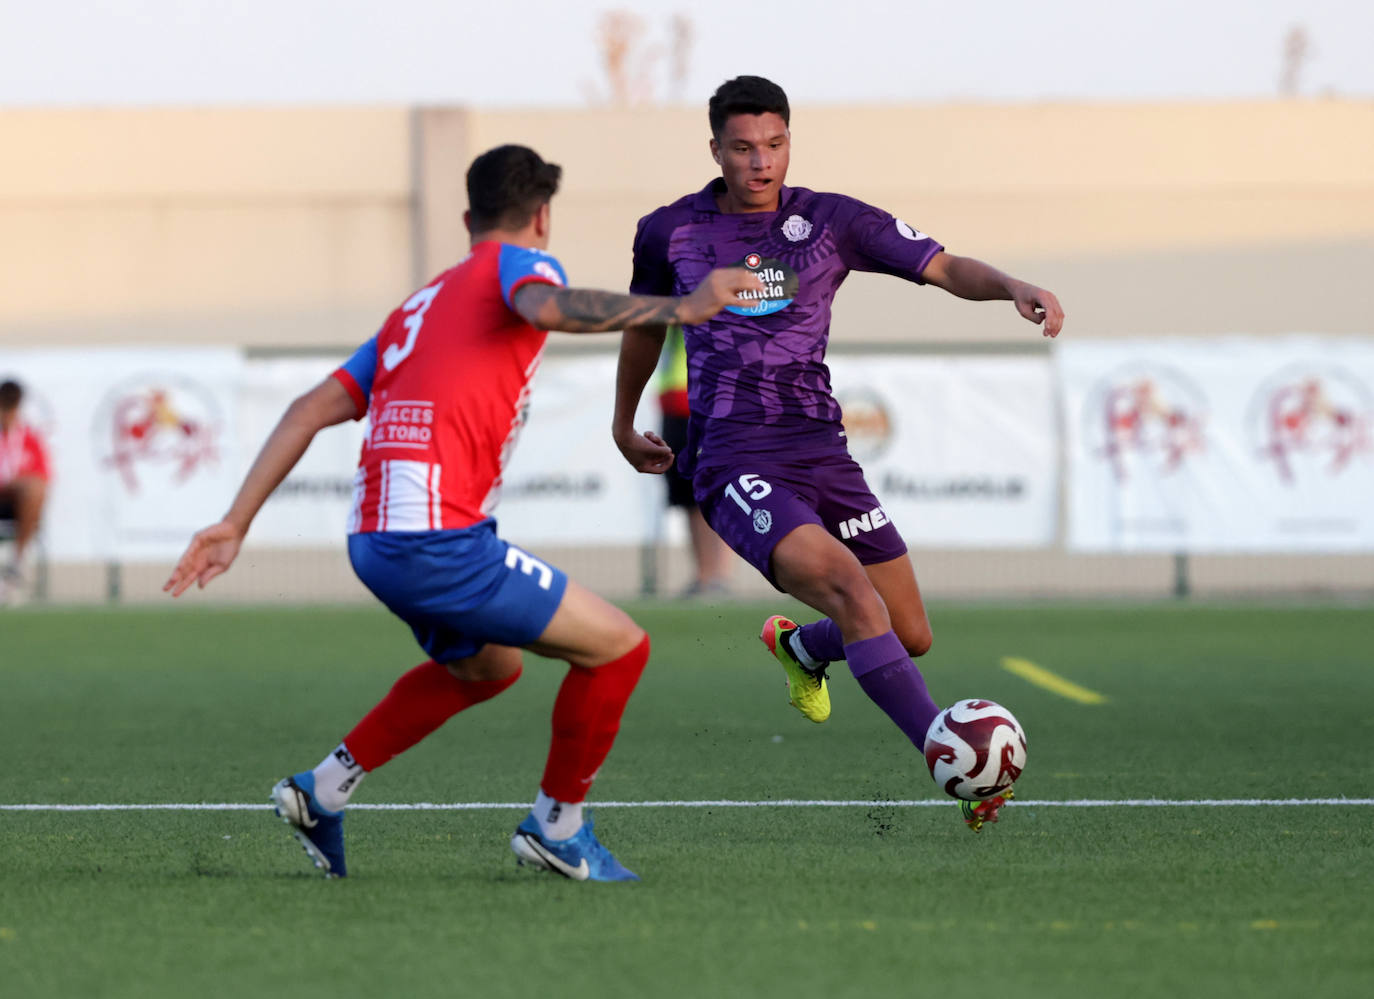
478 806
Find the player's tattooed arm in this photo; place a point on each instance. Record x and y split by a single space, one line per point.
979 282
589 310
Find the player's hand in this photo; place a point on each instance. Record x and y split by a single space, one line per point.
722 287
210 553
646 451
1040 306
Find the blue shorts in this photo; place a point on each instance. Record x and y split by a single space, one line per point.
459 590
755 503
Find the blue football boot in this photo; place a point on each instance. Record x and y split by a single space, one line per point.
319 830
580 857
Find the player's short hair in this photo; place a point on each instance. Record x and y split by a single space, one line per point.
11 394
507 185
746 95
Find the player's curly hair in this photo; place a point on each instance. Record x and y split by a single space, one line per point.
506 186
746 95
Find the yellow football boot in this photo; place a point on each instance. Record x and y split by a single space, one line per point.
806 690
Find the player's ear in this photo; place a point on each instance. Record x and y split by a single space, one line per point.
467 221
543 221
715 151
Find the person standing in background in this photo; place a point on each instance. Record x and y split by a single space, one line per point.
711 556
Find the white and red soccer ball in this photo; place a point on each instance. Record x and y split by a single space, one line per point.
975 749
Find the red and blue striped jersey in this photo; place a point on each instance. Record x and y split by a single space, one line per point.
445 386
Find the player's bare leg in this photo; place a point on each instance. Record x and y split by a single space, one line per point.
606 653
821 642
312 802
587 631
822 573
810 565
895 582
710 555
817 569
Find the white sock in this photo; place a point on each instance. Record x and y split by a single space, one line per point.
336 778
557 819
794 642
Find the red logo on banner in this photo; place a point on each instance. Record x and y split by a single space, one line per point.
1304 417
150 421
1146 415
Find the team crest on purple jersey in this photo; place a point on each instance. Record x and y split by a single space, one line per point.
796 228
779 286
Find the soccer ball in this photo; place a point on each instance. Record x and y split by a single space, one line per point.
975 749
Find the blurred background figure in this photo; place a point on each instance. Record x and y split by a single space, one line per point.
711 557
23 488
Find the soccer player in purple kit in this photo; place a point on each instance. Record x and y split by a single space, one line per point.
766 449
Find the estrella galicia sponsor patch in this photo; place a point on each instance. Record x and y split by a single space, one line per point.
779 286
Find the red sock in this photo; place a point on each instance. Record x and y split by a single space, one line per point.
586 718
421 701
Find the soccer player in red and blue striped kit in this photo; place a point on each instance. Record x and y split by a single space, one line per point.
444 385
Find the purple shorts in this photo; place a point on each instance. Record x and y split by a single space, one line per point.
754 503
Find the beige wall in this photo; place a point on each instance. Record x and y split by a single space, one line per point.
304 226
266 226
1145 219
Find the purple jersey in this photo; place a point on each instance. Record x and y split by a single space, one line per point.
757 375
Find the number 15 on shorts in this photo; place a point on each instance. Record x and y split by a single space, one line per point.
750 485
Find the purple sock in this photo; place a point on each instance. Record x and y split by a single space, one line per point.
822 639
892 681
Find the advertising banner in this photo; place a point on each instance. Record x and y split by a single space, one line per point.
143 445
1220 445
309 509
567 484
963 451
150 445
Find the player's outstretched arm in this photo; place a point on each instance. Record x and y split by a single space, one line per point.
214 549
640 347
980 282
589 310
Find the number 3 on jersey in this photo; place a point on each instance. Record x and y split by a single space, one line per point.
753 487
417 305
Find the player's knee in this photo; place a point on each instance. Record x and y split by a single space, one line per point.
918 642
828 581
629 639
494 662
617 638
851 588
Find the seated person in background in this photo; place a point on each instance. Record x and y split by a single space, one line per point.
23 482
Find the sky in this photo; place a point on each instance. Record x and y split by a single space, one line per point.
544 53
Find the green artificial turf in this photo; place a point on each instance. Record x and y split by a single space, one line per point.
189 705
